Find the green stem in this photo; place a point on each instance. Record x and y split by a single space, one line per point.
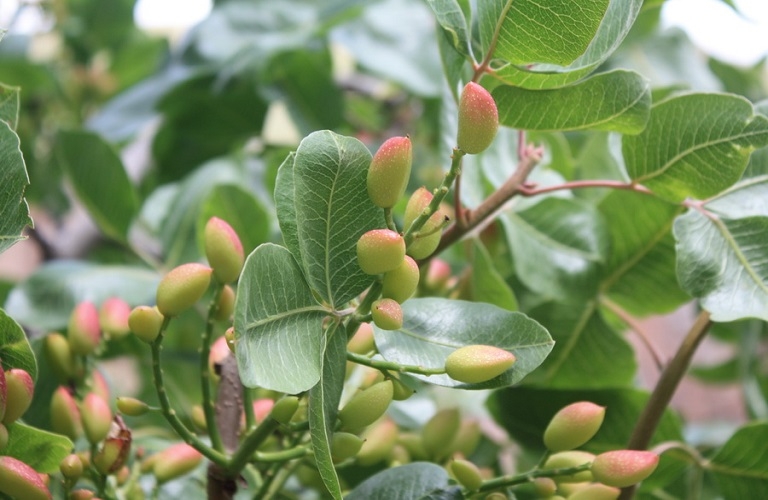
249 445
373 293
205 376
512 480
169 413
391 366
438 197
250 417
665 388
281 456
390 219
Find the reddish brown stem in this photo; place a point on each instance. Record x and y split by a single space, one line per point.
532 190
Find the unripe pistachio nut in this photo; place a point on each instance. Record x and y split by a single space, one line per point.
430 233
145 322
478 119
622 468
474 364
413 444
3 437
545 487
400 284
379 440
468 437
99 385
96 416
71 467
19 388
366 406
380 251
284 409
438 274
3 393
401 390
59 356
182 287
389 172
226 304
131 406
344 445
229 334
424 246
565 459
467 474
20 481
387 314
438 433
81 494
83 330
573 426
362 341
223 250
176 461
65 414
596 491
399 456
113 317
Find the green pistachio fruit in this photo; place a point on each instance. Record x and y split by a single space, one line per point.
380 251
389 172
478 119
474 364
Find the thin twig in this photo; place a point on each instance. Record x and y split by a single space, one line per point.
635 327
532 190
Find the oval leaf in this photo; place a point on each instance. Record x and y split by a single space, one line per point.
740 468
41 450
407 482
618 101
14 212
433 328
15 351
333 210
278 324
695 145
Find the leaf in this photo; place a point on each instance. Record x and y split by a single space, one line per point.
278 324
615 26
15 351
285 206
540 31
695 145
323 407
451 19
241 210
9 105
618 100
14 212
433 328
557 246
740 467
333 210
407 482
41 450
722 255
99 179
525 412
639 274
487 284
588 353
46 299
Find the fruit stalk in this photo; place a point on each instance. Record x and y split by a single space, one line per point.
205 375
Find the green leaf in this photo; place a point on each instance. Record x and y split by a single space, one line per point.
278 324
540 31
407 482
323 407
9 105
487 284
526 411
15 351
722 253
740 467
285 206
451 19
14 212
615 26
639 274
46 299
433 328
557 246
618 100
695 145
241 210
41 450
100 181
588 353
333 210
727 372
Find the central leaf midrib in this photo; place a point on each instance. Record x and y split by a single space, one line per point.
284 315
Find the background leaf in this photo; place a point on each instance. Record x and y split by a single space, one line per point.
323 406
333 210
100 181
278 324
406 482
695 145
740 467
433 328
15 351
486 282
9 105
618 101
41 450
451 19
14 212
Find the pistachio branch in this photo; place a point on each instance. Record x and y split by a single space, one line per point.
526 477
391 366
205 376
